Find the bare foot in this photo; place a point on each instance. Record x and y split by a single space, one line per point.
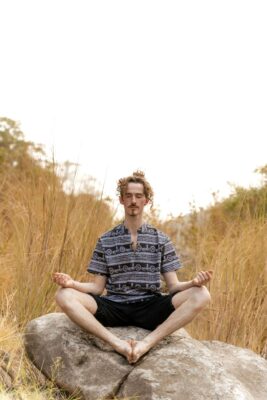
139 349
124 347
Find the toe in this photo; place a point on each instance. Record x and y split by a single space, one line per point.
130 355
134 353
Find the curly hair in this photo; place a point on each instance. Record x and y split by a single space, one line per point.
136 177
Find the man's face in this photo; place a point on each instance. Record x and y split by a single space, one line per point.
134 199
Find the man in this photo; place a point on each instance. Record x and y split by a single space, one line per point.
129 261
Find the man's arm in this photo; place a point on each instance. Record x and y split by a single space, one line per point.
96 287
174 285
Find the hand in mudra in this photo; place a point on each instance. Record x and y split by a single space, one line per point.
63 280
202 278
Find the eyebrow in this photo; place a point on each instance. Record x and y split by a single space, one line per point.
133 193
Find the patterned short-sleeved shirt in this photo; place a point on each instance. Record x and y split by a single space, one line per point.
133 274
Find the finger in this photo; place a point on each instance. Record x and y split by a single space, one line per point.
65 276
57 278
207 275
201 276
59 274
197 282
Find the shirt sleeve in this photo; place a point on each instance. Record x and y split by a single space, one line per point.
170 260
98 264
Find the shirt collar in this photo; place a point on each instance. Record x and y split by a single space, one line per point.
142 229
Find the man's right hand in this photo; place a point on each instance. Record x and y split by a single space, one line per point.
63 280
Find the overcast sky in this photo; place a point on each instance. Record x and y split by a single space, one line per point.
175 88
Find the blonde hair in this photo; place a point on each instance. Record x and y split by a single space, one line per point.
136 177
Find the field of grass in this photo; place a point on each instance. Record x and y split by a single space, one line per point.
43 230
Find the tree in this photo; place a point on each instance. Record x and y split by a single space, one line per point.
15 151
263 172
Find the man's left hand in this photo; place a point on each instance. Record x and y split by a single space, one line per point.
202 278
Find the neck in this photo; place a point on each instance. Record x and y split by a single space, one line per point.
133 223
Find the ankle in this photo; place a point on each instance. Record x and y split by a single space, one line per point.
117 341
148 344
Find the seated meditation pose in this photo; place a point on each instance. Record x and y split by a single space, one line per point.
128 265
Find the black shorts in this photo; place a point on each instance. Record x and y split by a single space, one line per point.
147 313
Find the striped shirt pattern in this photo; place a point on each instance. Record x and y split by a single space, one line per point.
133 275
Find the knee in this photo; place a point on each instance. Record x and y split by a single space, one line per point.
63 297
201 297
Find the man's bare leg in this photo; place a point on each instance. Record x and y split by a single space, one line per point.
80 308
188 304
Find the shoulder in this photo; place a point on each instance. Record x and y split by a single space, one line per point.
116 231
162 237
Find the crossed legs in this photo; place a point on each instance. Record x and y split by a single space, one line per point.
188 304
80 308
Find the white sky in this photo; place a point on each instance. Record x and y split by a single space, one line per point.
176 88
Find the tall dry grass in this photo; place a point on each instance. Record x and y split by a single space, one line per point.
42 230
237 313
235 248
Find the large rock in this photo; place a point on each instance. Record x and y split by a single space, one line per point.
179 367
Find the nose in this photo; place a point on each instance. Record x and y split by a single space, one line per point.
133 199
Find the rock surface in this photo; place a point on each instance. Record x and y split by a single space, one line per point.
179 367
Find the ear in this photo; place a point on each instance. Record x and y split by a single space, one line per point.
147 201
121 200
